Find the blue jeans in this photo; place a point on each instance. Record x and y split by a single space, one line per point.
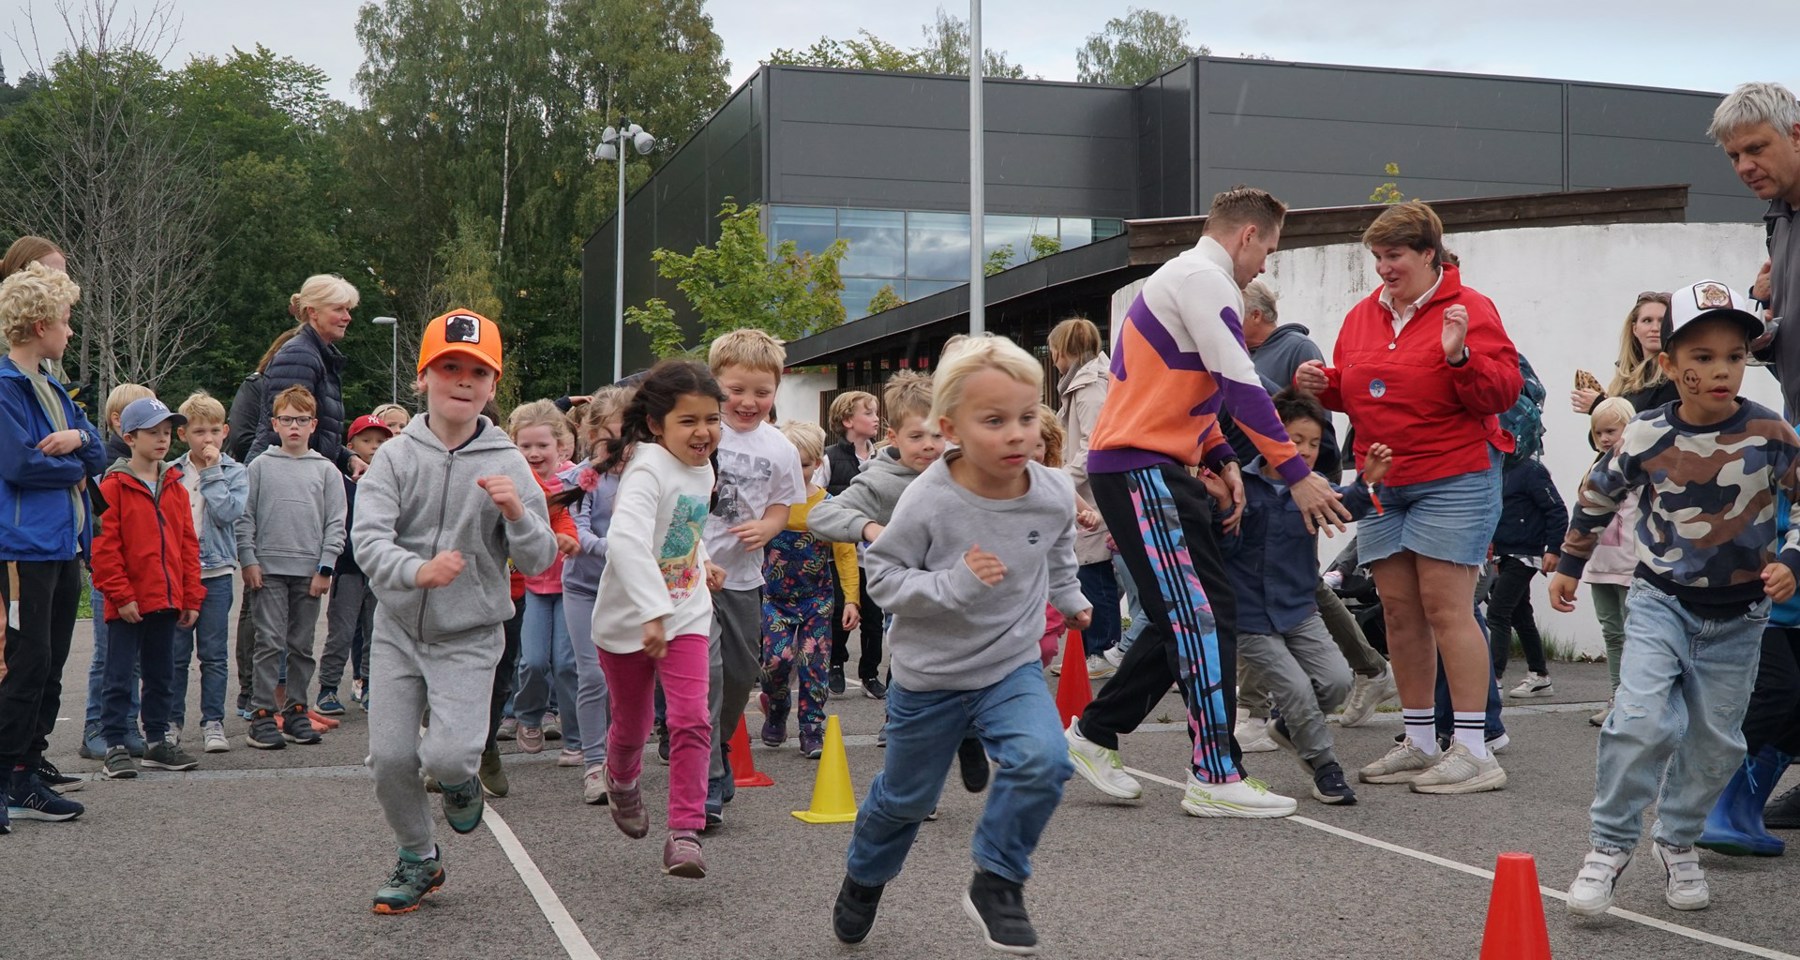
1017 724
1684 684
97 669
547 657
1134 609
129 645
213 631
593 701
1101 588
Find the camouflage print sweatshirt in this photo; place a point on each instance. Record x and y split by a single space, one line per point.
1707 502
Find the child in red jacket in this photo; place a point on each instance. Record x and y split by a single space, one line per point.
147 566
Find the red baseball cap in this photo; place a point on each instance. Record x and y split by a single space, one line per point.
369 421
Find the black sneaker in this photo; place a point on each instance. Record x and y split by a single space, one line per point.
662 742
837 679
974 764
56 779
264 735
997 905
29 799
854 914
715 802
1329 786
119 765
297 727
168 756
1783 812
874 689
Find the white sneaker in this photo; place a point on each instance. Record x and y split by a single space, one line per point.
1100 766
1599 719
1114 656
1248 798
1252 735
172 736
1367 694
1399 765
569 758
215 737
1459 771
593 785
1099 668
1592 892
1534 685
1685 888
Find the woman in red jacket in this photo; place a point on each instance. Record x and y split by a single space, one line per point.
1424 366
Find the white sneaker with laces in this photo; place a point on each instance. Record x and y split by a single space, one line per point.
1534 685
1100 766
1248 798
1459 771
1114 657
1685 886
1252 735
172 736
1366 695
1400 764
1099 668
1592 892
215 737
593 784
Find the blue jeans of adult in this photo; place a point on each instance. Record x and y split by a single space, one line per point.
97 669
1133 608
1101 588
1445 718
212 635
1016 722
135 650
1684 684
546 658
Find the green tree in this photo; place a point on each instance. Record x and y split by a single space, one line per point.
736 284
1134 48
998 259
946 50
885 299
1043 245
863 52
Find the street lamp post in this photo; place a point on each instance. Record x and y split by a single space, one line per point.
612 147
393 324
977 180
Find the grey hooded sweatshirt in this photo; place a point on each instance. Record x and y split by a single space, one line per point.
419 499
870 498
293 521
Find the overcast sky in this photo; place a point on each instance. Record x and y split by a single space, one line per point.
1667 43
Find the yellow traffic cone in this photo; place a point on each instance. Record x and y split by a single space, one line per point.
833 799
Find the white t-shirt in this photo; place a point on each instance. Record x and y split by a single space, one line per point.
757 469
655 559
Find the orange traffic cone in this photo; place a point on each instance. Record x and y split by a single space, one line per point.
833 799
743 762
1515 920
1074 692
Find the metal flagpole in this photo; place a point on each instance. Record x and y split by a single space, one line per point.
977 179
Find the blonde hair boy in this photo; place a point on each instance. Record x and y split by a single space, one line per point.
750 349
907 394
847 405
807 438
36 294
121 397
973 356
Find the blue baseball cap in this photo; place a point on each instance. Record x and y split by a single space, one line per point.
146 413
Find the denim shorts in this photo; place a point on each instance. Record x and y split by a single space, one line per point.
1451 519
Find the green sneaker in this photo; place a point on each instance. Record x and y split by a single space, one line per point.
463 805
413 877
492 775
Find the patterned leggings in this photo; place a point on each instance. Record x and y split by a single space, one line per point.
797 639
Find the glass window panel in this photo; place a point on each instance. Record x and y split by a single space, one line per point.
877 242
811 228
1077 232
1002 231
1108 228
937 246
920 289
858 291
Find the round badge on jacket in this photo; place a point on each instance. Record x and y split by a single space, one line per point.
1377 389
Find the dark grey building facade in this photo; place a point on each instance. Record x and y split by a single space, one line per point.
881 160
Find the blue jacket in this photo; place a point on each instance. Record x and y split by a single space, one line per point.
225 490
37 515
1271 559
1533 518
593 520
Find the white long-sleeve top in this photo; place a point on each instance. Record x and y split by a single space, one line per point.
656 559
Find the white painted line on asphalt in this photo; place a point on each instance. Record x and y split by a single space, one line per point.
1702 936
574 943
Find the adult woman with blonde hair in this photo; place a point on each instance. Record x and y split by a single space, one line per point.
1636 375
1081 362
311 359
1424 366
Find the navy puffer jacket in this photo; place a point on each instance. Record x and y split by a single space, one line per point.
318 366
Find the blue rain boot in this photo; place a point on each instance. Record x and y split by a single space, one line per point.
1735 825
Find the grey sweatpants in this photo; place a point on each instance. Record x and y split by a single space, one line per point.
736 663
352 606
1363 659
1307 677
455 678
286 617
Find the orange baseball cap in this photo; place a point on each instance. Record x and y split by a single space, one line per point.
461 331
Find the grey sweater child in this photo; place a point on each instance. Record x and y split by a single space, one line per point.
293 521
951 630
870 498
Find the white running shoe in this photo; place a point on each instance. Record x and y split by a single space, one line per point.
1592 892
1459 771
1366 695
1685 888
1599 719
1114 656
593 784
1248 798
1252 735
1099 668
215 737
1399 765
1100 766
1534 685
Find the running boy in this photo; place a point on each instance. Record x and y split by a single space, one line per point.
147 564
974 548
854 416
218 488
350 613
1704 470
759 479
447 502
288 541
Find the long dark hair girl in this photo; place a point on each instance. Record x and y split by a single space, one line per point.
657 394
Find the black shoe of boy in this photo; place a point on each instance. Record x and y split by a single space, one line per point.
874 689
973 762
854 914
297 727
1329 786
997 905
264 735
837 680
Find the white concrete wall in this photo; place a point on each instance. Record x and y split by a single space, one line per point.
1563 293
797 398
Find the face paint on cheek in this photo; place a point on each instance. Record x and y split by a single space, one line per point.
1690 381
